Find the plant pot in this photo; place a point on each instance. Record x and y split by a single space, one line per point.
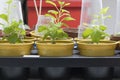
30 38
28 32
72 32
33 34
114 38
18 49
45 48
104 48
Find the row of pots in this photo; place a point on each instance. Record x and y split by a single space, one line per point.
86 48
61 48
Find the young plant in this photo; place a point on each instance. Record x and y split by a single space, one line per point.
12 32
96 30
59 15
53 32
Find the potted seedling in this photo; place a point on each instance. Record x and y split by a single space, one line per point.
59 14
53 35
96 45
12 42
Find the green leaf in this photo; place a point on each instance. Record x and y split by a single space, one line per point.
4 17
68 19
105 17
61 34
45 36
53 12
63 10
65 25
102 27
87 33
61 2
96 36
15 24
9 1
13 38
104 10
42 28
109 16
8 30
23 32
58 24
52 3
67 4
49 15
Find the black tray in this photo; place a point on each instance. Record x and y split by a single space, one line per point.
71 61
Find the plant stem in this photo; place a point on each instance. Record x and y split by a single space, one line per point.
8 14
53 41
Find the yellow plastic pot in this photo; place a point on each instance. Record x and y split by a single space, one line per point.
61 48
30 38
104 48
15 50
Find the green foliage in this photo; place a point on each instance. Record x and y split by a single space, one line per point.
97 32
9 1
59 15
12 32
4 17
53 32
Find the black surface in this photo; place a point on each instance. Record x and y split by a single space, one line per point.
71 61
25 11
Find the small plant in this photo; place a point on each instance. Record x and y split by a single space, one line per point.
12 32
96 30
54 31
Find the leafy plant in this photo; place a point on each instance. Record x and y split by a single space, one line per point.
53 32
59 15
12 32
96 30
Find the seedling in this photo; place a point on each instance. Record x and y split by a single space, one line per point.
96 30
12 32
54 31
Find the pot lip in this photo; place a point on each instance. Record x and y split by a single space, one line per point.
116 36
25 43
32 33
102 42
59 42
